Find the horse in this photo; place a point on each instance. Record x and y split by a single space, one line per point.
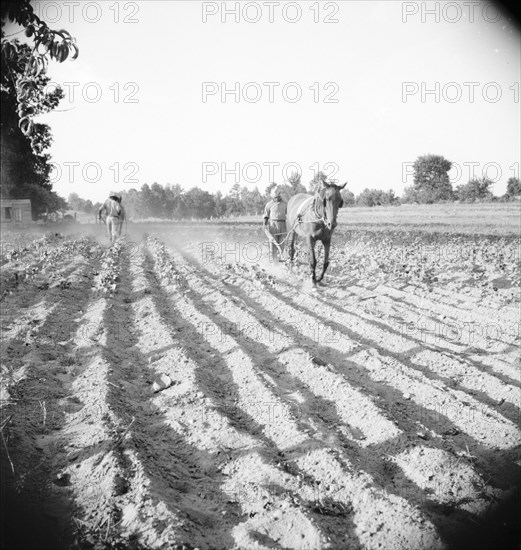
314 218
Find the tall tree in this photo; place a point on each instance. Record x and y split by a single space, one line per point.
174 207
316 181
25 164
348 197
431 180
199 203
47 44
75 202
220 208
88 206
295 182
130 200
158 203
513 188
234 205
376 197
145 202
257 201
477 189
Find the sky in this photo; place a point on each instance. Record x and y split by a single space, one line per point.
210 94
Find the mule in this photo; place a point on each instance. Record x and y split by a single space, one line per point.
314 219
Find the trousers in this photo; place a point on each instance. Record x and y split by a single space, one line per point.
114 225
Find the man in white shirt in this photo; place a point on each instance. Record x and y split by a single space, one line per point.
275 218
114 215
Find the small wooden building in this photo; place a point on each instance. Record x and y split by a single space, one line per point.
15 211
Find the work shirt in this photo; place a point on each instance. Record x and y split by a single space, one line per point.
113 208
275 210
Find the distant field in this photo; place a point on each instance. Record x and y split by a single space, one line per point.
489 219
499 219
477 219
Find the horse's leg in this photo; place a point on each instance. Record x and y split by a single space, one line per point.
312 259
327 245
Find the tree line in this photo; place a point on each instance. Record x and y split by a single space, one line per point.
431 185
174 202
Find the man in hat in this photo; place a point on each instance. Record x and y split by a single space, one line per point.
114 215
275 218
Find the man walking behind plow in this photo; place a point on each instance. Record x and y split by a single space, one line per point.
275 222
114 215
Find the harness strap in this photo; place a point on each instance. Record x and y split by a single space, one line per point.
298 220
301 207
300 213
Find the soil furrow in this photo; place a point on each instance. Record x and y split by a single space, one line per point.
193 398
399 484
425 394
423 340
504 322
368 425
354 480
39 488
159 502
261 502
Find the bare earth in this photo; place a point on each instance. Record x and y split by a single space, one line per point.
183 391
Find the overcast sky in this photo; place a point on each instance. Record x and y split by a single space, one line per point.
358 89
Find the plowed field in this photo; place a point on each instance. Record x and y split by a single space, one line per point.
181 390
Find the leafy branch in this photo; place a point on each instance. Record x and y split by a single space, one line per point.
58 45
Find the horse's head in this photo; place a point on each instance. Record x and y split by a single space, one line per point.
331 200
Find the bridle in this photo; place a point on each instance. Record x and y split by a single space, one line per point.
317 205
